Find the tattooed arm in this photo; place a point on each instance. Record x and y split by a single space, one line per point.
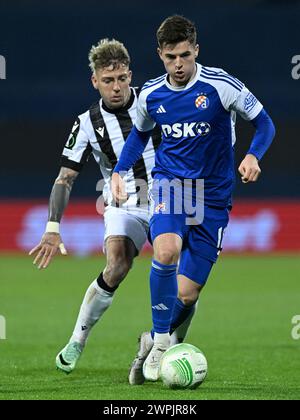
51 241
60 194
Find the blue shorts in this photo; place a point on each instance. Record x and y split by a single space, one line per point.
202 243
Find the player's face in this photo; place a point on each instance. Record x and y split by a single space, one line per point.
113 85
179 60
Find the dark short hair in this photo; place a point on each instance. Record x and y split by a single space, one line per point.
176 29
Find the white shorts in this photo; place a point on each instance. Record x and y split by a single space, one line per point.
133 224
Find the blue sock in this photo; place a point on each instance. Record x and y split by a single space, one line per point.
180 314
163 286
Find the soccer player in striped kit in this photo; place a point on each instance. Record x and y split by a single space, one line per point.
101 131
195 107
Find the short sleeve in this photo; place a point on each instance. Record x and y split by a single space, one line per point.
232 92
246 105
77 149
143 120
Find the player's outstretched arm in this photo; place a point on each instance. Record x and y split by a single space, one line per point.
51 241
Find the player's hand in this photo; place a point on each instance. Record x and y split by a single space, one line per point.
118 188
47 248
249 169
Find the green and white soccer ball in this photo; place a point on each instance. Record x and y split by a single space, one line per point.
183 366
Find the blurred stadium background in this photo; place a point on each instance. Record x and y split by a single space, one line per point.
244 322
47 84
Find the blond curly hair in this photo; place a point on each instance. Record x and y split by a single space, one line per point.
108 52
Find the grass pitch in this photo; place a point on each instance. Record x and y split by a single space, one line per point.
243 326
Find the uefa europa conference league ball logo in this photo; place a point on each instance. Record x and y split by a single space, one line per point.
2 67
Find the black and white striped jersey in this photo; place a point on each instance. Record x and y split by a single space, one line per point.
102 132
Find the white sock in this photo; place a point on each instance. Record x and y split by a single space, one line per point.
180 333
95 303
162 339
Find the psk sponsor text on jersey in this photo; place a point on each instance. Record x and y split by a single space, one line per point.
179 130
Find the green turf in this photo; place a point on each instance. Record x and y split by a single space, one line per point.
243 326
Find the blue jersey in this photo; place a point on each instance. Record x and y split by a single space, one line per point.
198 128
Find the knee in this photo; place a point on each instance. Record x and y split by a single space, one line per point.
116 270
188 300
166 256
188 297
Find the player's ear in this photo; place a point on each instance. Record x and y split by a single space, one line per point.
129 76
196 50
159 52
94 81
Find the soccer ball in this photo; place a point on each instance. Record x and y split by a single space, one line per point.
183 366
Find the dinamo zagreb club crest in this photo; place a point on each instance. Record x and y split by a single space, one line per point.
202 102
160 208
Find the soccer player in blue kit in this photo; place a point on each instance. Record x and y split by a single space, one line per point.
195 107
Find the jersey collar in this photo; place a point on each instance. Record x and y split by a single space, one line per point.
190 84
